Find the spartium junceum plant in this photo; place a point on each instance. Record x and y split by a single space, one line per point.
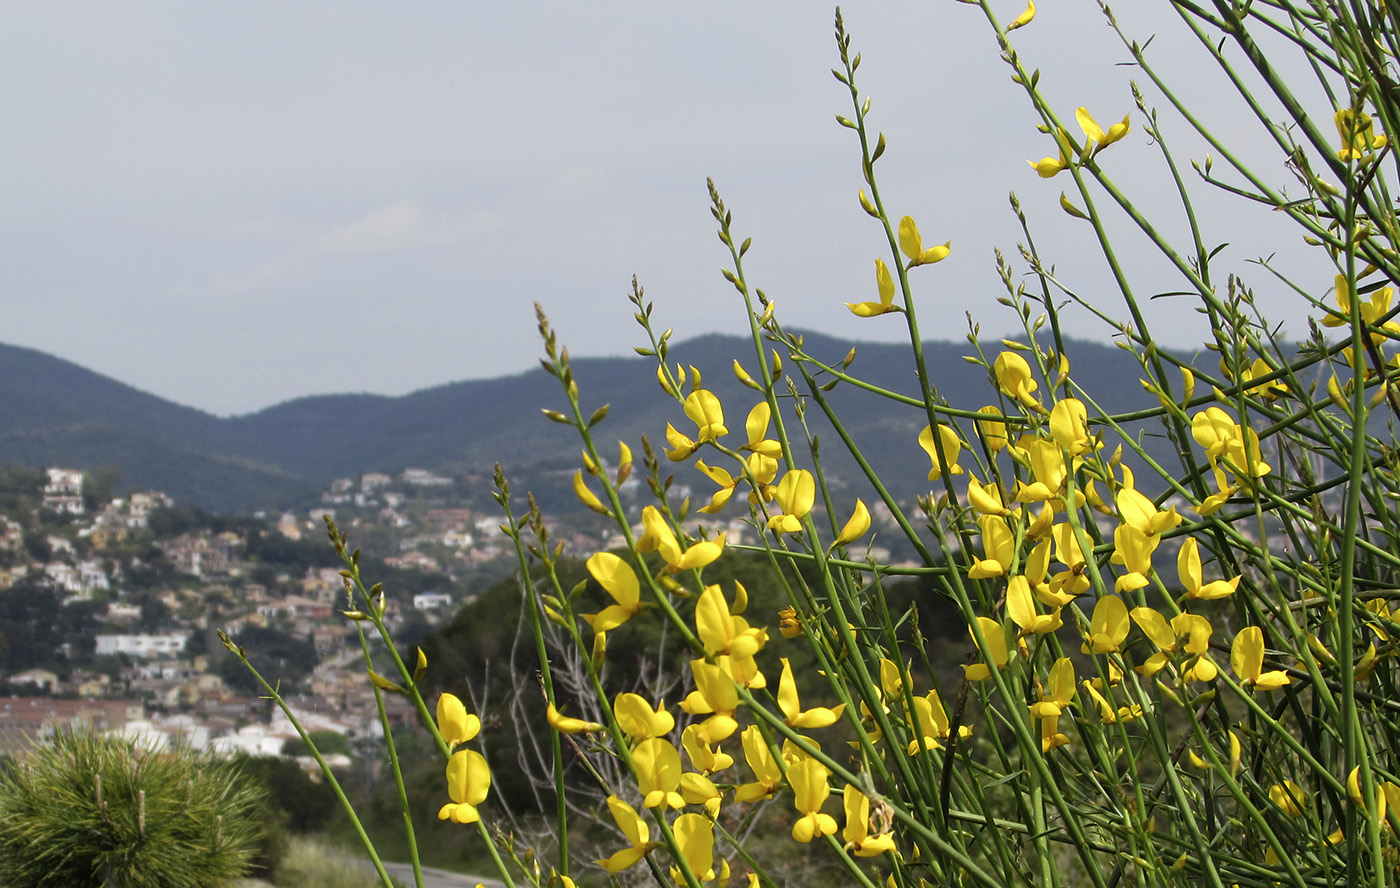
1183 669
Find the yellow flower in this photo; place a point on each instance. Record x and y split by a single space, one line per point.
722 630
859 841
1220 435
1247 661
1188 568
993 431
1020 607
1060 693
1024 18
985 499
932 727
1108 627
1050 735
657 537
1289 797
1357 139
1073 581
1139 511
455 724
1214 430
884 283
1133 549
695 836
1160 633
1107 713
1095 134
1258 369
620 581
468 784
1195 629
762 469
636 831
702 758
658 767
756 425
1388 797
856 527
788 623
1049 167
1047 463
1372 310
1014 378
1069 426
681 446
795 495
715 696
913 245
998 548
1212 503
586 496
727 484
705 410
808 778
793 713
1354 793
767 775
566 725
639 720
952 447
1203 668
624 461
891 678
743 670
995 652
697 789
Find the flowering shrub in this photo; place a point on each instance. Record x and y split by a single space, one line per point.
1182 674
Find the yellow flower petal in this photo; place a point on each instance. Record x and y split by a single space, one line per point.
1024 18
454 722
856 527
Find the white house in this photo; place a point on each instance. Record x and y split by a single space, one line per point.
141 646
64 492
428 601
424 478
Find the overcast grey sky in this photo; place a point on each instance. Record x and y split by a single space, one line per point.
233 205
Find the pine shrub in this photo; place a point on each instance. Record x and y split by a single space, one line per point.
87 809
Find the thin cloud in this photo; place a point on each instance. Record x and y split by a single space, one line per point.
276 273
405 225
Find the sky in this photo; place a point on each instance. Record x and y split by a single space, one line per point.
234 205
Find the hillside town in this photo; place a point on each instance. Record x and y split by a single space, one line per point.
133 590
110 607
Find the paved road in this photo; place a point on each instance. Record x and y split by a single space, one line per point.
402 873
432 878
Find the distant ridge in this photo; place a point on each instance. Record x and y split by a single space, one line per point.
53 412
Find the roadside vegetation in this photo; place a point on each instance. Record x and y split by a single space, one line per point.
1103 665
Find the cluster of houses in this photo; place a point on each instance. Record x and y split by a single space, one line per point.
228 727
162 695
165 699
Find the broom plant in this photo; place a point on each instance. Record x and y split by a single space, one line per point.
1183 668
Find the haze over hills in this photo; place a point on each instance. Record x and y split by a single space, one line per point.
53 412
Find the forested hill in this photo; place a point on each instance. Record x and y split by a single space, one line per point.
53 412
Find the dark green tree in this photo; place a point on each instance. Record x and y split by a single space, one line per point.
84 809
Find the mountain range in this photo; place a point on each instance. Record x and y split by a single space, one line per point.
53 412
